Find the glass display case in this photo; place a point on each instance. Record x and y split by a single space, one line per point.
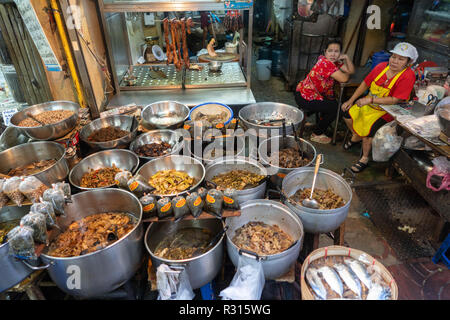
429 29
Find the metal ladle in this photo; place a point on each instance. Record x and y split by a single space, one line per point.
312 203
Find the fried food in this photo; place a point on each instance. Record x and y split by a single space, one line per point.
107 134
46 117
326 199
92 233
288 158
170 181
237 179
262 238
32 168
99 178
153 149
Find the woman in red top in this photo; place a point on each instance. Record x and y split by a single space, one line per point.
315 93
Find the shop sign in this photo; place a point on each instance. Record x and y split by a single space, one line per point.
7 115
238 4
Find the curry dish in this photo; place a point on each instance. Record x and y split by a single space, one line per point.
92 233
237 179
326 199
171 181
99 178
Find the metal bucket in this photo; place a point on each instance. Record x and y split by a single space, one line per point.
270 212
223 147
276 173
316 220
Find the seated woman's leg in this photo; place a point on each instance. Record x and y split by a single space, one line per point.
327 108
355 138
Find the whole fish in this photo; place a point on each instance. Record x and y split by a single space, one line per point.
349 278
333 280
378 292
360 271
316 284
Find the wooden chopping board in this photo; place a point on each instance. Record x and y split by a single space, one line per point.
221 56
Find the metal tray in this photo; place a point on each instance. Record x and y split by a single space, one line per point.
149 80
230 75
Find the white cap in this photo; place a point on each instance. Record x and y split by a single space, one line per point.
406 49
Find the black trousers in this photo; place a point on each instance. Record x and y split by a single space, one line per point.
327 109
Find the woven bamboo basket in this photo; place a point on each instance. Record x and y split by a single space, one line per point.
348 252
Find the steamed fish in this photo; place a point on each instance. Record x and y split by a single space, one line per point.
333 280
315 283
349 278
361 272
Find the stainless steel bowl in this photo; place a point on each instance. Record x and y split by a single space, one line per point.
191 166
51 131
269 110
222 147
122 159
28 153
11 137
107 269
122 122
157 136
443 115
214 65
163 109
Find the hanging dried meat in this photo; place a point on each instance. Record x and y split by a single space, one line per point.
176 41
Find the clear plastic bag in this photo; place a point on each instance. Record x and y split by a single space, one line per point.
65 187
21 243
248 282
173 284
121 179
214 202
195 204
56 197
37 222
148 206
3 197
180 207
386 142
32 188
45 208
11 189
139 186
441 168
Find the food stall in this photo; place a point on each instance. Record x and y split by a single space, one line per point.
155 82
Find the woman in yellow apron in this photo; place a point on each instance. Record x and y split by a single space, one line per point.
388 83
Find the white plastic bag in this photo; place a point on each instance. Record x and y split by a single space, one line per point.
248 282
386 142
173 284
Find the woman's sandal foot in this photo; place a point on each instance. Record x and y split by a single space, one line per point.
359 167
349 144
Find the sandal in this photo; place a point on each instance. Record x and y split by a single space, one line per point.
349 144
360 166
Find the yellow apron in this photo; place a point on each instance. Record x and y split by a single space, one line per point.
364 117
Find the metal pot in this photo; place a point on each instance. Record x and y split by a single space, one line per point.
12 270
157 136
201 269
270 212
122 159
123 122
36 151
223 147
316 220
443 115
227 164
107 269
51 131
278 173
269 110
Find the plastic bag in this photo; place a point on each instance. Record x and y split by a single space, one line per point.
37 222
214 202
11 189
148 206
121 179
195 204
173 284
45 208
441 168
413 143
427 126
180 207
139 186
248 282
32 188
230 199
3 197
164 208
386 142
65 187
21 243
56 197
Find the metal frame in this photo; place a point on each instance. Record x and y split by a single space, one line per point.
169 6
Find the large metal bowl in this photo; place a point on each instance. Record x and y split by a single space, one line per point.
162 109
51 131
28 153
122 159
105 270
127 123
157 136
269 110
227 164
11 137
191 166
222 147
443 115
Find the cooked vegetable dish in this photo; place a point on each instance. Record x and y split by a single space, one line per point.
326 199
103 177
288 158
262 238
170 181
183 244
237 179
107 134
92 233
31 168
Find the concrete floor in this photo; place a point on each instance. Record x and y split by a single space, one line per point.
416 278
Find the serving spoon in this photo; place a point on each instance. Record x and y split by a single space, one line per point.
312 203
29 115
